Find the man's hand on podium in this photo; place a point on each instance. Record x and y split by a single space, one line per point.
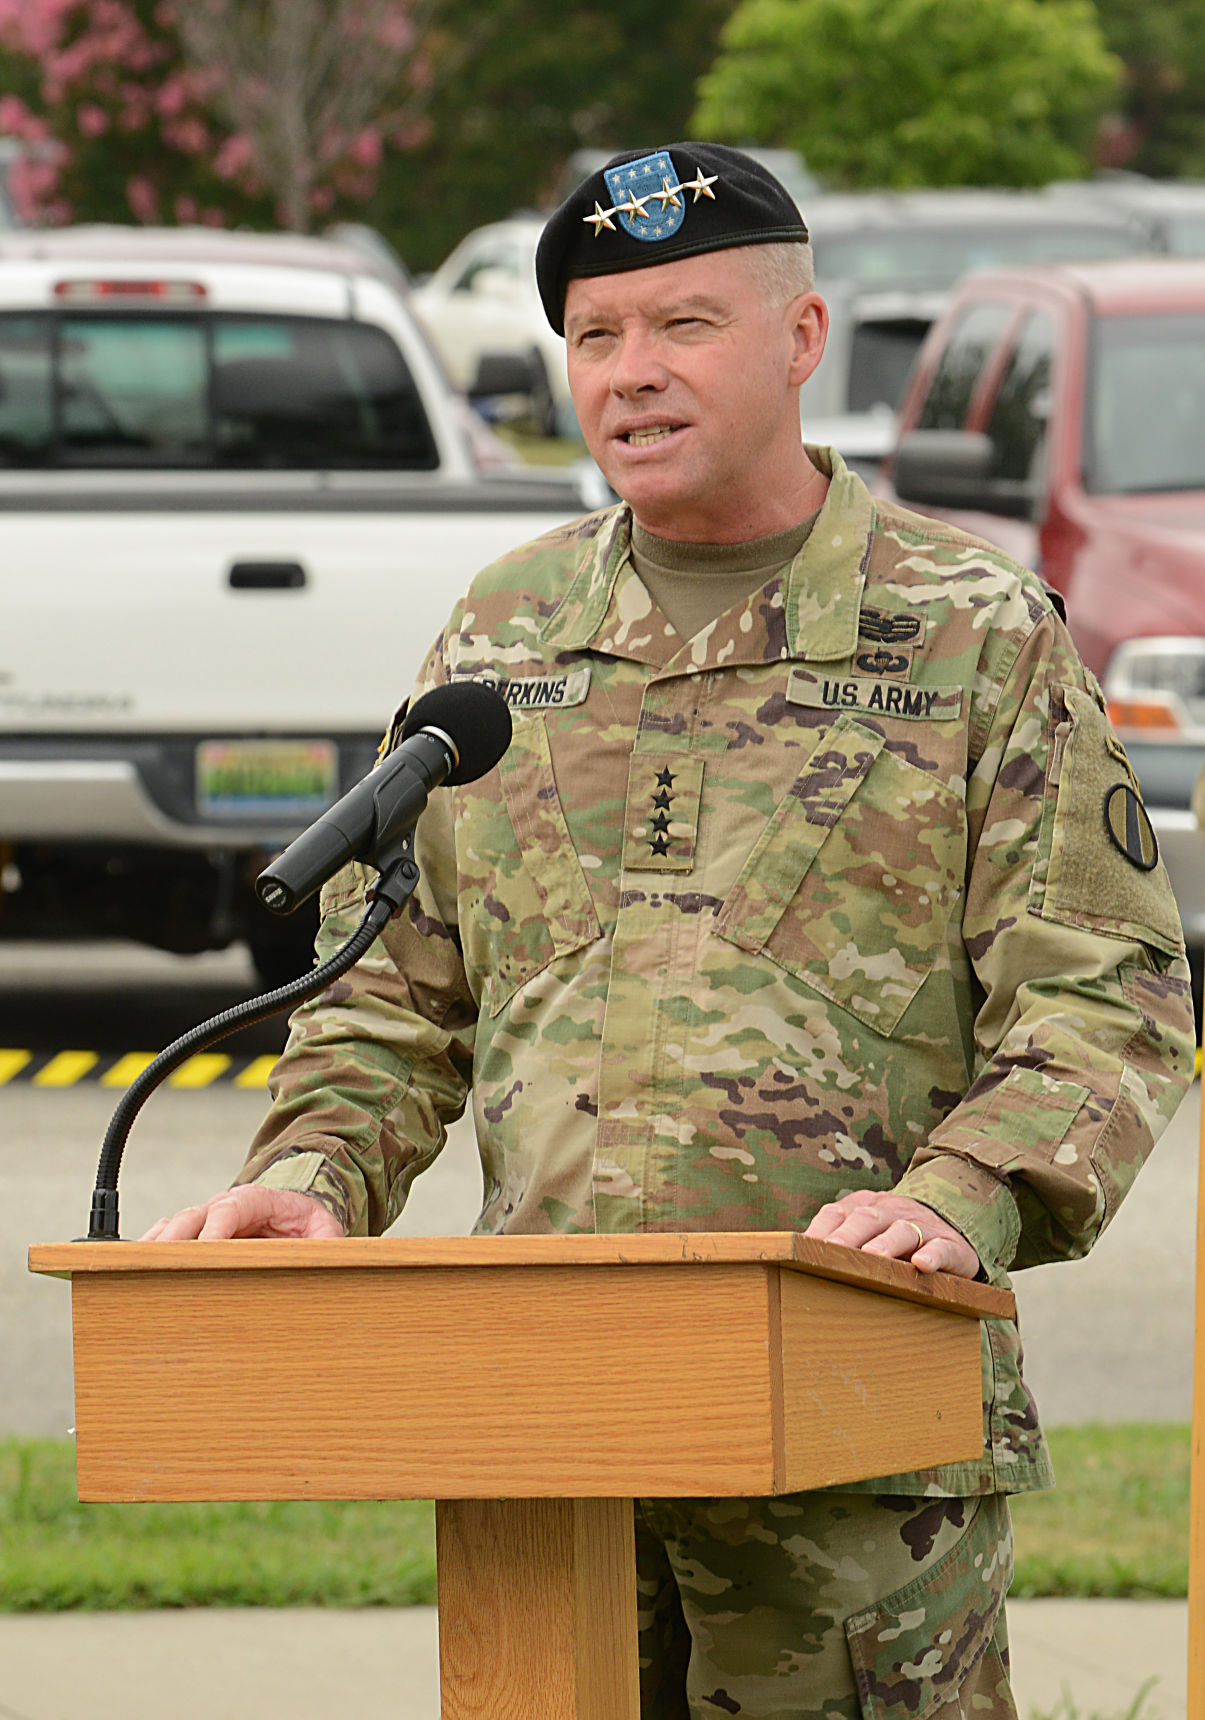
898 1227
248 1210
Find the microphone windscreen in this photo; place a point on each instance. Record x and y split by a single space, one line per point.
473 716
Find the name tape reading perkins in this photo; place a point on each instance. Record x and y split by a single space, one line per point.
538 692
862 693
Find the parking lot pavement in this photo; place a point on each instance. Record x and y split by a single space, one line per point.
1110 1337
382 1663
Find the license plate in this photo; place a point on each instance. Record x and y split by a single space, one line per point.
266 779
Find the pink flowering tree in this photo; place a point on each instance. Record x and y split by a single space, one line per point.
310 91
216 111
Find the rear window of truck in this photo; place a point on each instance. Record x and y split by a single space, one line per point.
251 393
1144 427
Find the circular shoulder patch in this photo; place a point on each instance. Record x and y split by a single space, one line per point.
1129 827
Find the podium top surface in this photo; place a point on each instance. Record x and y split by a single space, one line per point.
698 1248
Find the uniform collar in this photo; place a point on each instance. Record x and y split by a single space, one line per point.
813 615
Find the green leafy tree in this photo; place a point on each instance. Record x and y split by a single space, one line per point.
1160 124
529 82
914 92
423 117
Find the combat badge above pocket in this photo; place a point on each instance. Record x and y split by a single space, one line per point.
1098 858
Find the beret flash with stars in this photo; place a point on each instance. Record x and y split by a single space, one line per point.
649 207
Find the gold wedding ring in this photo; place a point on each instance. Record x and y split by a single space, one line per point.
920 1235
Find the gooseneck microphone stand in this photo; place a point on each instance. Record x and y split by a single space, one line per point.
454 734
396 884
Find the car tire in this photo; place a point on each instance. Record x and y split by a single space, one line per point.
544 414
282 949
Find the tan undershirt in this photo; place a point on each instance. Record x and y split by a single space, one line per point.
694 583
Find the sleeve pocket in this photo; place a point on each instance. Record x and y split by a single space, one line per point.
1024 1120
1083 876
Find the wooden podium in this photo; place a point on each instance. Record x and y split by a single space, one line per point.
532 1386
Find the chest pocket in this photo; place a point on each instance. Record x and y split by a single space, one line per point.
851 884
536 904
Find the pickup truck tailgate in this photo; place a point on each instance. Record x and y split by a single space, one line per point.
300 621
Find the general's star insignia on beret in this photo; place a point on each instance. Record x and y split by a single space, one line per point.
649 179
601 218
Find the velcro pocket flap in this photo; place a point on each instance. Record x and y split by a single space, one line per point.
538 906
852 883
1023 1120
1083 876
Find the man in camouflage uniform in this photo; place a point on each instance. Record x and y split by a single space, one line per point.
814 892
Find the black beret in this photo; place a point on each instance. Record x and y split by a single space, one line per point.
654 206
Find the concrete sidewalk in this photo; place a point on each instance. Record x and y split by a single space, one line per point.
382 1663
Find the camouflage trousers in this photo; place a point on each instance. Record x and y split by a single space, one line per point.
824 1606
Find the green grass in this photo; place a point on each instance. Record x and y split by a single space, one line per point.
1065 1708
541 450
56 1553
1116 1526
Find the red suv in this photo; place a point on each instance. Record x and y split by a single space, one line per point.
1060 412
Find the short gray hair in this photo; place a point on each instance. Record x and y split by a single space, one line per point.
781 272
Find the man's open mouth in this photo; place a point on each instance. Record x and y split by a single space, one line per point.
642 438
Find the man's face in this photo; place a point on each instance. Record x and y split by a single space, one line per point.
685 382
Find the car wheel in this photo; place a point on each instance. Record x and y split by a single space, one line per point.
544 414
282 949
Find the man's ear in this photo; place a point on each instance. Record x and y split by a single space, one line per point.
808 319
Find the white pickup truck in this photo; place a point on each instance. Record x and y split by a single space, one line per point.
238 500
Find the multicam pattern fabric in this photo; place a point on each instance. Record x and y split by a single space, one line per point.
748 927
823 1606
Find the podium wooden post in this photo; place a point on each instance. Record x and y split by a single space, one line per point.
532 1386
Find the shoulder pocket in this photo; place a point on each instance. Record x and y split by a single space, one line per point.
851 885
536 904
1096 865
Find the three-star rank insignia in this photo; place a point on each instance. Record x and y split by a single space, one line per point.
663 813
1129 827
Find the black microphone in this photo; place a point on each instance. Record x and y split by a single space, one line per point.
454 734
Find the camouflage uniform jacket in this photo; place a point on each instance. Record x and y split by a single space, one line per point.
823 899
